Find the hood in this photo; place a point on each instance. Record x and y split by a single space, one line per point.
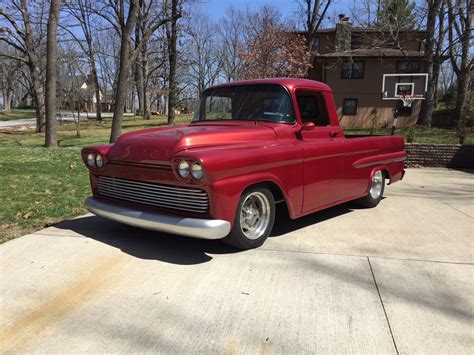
161 144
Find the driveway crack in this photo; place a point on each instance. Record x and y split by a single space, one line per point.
383 306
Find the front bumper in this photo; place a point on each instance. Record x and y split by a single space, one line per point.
190 227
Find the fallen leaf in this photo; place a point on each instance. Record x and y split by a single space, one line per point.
72 166
27 215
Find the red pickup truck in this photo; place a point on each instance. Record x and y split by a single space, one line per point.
251 144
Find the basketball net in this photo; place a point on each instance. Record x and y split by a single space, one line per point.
407 100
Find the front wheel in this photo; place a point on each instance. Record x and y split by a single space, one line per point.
253 220
377 187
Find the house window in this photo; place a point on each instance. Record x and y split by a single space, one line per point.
314 44
349 107
352 70
405 66
357 41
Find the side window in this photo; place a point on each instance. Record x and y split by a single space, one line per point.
312 108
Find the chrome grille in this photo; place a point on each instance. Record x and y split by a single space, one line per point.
157 195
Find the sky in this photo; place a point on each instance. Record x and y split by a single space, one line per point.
288 8
216 8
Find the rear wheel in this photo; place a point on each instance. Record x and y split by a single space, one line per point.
377 187
254 219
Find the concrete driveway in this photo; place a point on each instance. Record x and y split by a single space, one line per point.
394 279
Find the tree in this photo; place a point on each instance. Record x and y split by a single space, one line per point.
172 37
204 60
51 135
127 23
80 10
460 16
314 12
274 50
8 78
231 29
396 15
24 32
434 8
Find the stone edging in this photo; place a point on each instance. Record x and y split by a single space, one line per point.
440 155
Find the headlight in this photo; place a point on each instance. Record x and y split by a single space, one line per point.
91 160
183 169
196 171
99 161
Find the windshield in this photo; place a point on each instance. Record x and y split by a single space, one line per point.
264 102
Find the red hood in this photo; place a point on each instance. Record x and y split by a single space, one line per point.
161 144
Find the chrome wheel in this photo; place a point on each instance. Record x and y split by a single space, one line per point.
255 215
377 185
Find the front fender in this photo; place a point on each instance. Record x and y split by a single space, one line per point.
225 194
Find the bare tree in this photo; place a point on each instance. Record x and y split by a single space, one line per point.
8 78
51 135
172 35
314 12
27 38
80 10
231 29
460 16
434 8
204 60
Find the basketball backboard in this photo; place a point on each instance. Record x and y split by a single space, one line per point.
397 86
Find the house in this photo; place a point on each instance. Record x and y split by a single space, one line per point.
78 92
352 62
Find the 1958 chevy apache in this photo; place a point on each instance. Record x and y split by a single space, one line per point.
251 144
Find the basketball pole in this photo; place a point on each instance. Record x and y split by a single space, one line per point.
395 119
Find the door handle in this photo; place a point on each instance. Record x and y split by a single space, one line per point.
332 134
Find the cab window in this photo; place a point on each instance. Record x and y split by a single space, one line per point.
312 108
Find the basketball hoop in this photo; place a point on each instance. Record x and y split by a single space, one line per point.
407 100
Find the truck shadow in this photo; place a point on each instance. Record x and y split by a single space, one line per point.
174 249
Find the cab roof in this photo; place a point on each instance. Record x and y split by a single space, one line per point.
289 83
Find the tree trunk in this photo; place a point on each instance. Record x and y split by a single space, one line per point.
7 98
145 74
38 95
122 82
98 103
172 63
427 104
51 136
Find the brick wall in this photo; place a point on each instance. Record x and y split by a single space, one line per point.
440 155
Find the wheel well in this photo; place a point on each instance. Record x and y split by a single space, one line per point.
386 175
274 189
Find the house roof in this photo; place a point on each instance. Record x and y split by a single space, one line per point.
361 30
374 53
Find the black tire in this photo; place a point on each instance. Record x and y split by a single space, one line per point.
256 205
376 190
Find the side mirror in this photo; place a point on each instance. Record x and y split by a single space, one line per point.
308 126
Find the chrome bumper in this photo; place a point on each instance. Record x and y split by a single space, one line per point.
190 227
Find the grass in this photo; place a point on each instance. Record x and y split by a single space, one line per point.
422 134
43 186
17 114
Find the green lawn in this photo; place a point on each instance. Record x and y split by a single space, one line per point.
422 134
42 186
17 114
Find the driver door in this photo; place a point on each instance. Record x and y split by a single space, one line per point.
323 148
